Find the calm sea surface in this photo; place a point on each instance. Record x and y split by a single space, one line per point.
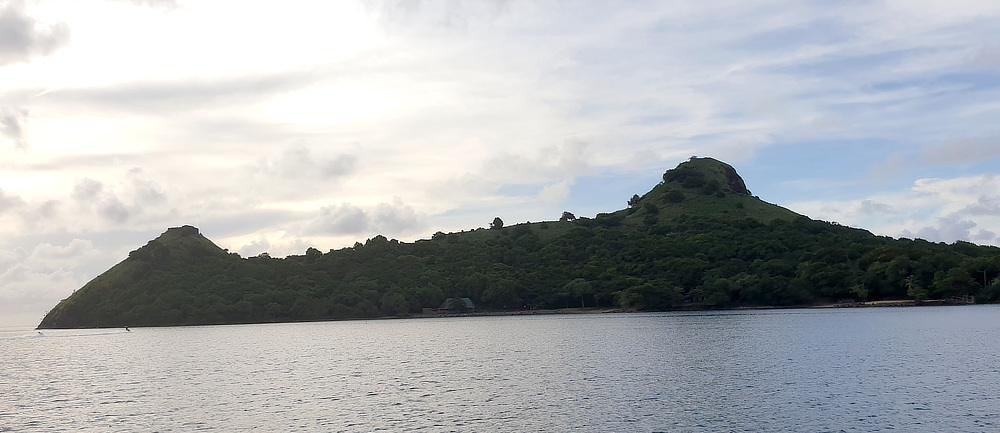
926 369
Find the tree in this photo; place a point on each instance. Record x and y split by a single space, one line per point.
914 290
579 288
861 291
630 300
675 196
990 293
954 282
567 216
497 224
634 200
393 304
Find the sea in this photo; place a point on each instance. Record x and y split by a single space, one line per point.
917 369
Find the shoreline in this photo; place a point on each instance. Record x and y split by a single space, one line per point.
612 310
580 310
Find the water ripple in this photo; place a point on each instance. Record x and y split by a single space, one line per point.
918 369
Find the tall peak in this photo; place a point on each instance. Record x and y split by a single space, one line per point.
696 172
184 230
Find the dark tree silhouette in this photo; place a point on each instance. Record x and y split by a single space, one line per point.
634 200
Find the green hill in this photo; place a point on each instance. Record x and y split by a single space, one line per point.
699 239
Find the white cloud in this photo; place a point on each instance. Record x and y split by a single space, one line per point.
986 58
387 219
947 229
22 38
12 124
255 247
869 207
31 283
54 257
940 210
970 150
164 5
984 236
134 196
298 163
985 205
340 220
396 218
9 202
892 166
555 193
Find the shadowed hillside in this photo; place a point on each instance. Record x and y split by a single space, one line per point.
699 239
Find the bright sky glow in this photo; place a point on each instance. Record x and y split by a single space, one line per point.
275 127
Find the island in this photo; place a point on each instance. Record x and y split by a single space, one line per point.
697 240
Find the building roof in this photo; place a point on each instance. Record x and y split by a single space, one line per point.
457 303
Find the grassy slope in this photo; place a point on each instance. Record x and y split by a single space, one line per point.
724 203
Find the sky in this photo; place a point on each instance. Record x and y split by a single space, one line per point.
276 126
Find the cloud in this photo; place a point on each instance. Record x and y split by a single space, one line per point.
986 58
556 193
384 218
869 207
164 5
940 210
299 163
31 282
981 189
394 14
893 165
985 205
162 96
947 229
19 216
92 194
984 236
112 209
87 189
255 247
48 257
22 38
133 196
341 220
395 218
142 191
12 120
9 202
969 150
562 162
297 173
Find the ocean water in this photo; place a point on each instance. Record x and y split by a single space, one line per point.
830 370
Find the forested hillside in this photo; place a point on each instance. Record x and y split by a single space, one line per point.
699 239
